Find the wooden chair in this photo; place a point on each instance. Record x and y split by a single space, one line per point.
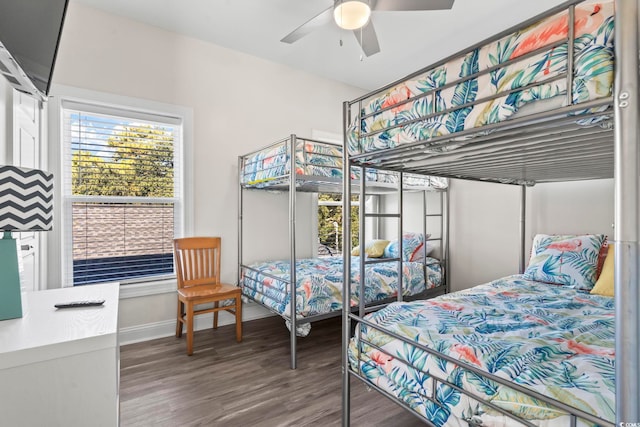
198 271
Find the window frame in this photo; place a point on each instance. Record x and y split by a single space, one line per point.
331 203
59 254
371 204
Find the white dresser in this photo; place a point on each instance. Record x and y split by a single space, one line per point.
60 367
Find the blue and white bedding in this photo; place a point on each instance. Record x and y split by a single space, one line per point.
316 159
319 283
552 339
452 97
311 158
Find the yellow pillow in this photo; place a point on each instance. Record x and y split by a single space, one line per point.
374 249
604 285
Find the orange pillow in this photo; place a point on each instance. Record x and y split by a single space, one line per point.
605 284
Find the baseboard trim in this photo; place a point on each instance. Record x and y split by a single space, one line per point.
167 328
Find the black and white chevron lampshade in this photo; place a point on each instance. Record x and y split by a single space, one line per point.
26 199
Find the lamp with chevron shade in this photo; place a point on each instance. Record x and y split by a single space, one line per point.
26 204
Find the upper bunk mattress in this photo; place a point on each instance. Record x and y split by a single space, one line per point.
315 160
555 340
492 83
311 158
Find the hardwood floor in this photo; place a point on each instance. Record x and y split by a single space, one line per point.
226 383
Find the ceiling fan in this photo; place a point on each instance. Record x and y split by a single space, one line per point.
355 15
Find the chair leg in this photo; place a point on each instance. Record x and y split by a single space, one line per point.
238 319
189 319
179 321
215 315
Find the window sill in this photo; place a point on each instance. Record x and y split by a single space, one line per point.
135 290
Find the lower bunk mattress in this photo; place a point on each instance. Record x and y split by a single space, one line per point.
319 283
551 339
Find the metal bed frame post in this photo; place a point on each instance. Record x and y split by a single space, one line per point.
361 238
571 13
522 227
425 213
627 138
292 237
446 275
346 269
400 227
240 207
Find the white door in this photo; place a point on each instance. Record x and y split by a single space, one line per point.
27 153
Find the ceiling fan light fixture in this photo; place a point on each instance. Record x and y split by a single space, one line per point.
351 14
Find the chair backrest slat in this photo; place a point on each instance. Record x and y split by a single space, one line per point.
197 260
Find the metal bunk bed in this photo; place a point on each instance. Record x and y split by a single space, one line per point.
598 138
320 175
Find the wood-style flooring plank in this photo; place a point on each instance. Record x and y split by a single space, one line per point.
226 383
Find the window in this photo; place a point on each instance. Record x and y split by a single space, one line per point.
122 193
330 223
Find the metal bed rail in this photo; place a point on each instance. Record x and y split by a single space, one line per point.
432 93
573 413
462 106
504 153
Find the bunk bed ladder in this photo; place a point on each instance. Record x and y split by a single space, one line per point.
443 238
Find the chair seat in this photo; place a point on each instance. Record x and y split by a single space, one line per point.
208 291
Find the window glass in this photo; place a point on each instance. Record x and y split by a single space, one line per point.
122 193
330 223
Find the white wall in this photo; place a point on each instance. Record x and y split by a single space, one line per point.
584 207
484 232
266 226
485 223
240 103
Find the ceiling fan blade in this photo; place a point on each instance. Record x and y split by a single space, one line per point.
368 39
412 4
319 20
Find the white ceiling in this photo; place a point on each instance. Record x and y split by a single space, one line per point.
408 40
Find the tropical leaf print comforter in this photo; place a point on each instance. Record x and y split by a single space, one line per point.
319 283
318 159
555 340
311 158
455 90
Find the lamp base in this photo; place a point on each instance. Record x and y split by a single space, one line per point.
10 298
